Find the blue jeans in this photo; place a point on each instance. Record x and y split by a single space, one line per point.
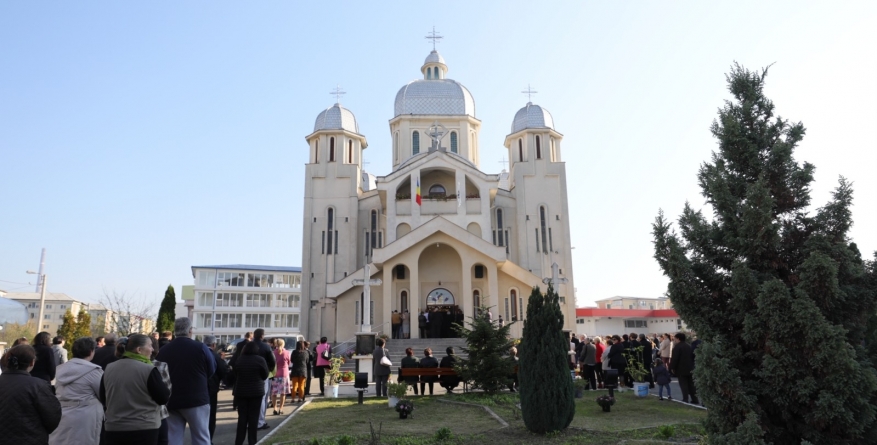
197 418
661 391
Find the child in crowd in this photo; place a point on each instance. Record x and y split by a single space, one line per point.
662 378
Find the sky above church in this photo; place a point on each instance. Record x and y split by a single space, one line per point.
140 138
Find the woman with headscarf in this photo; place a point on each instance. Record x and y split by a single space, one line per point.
77 385
132 390
29 410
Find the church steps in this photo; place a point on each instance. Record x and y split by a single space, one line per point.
396 347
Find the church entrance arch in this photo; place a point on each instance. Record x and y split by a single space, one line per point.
440 280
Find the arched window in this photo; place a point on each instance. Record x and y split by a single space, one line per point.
396 145
330 236
520 150
498 233
350 152
538 147
543 223
415 142
513 296
317 151
403 301
331 149
437 189
453 142
553 151
374 232
436 72
476 300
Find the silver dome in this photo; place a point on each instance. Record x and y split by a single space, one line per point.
434 57
532 116
336 117
444 97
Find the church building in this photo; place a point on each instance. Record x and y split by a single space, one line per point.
435 233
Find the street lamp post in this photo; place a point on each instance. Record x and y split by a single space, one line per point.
42 298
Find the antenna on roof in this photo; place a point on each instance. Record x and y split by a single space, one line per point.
434 37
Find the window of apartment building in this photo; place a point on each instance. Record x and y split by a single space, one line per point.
225 299
227 320
63 306
48 306
635 323
207 278
257 321
258 300
204 320
580 321
260 279
230 278
286 320
287 280
204 299
282 300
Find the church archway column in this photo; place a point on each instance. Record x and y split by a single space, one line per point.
467 305
387 301
414 300
493 285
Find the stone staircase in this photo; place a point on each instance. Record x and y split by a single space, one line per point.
397 350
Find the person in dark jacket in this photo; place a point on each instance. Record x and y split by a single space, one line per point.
381 371
409 361
662 378
616 357
647 357
166 337
214 381
132 391
309 366
299 371
105 354
428 361
682 365
29 410
251 372
191 364
449 382
46 358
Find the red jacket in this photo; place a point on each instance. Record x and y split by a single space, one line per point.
600 349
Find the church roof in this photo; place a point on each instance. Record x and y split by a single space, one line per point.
434 57
532 116
336 117
434 96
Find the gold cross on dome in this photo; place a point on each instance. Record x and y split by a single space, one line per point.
434 37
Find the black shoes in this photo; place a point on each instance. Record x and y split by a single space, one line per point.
264 427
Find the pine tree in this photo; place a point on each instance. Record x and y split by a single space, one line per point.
167 310
488 365
68 330
781 298
547 402
83 326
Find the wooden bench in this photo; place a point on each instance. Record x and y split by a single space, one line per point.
434 372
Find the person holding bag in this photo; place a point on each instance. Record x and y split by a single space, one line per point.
382 368
324 353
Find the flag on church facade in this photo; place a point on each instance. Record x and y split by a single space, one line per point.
417 194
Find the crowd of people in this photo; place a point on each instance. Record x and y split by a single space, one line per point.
660 357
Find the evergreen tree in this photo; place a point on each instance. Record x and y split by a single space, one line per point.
166 311
781 298
68 331
547 402
488 365
83 326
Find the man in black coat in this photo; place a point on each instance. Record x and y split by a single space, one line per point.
682 365
106 354
214 381
266 353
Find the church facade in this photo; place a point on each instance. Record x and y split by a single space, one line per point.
436 232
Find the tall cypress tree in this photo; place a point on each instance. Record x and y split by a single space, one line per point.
781 297
167 310
547 402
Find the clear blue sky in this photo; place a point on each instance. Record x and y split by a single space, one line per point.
140 138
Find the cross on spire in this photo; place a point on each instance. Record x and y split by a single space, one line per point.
338 92
504 162
529 92
434 37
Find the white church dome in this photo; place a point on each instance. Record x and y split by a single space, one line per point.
434 57
336 117
436 96
532 116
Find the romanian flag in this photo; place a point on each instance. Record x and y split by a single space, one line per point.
417 194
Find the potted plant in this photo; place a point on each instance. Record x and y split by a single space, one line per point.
606 401
396 391
405 408
637 371
333 373
347 376
580 385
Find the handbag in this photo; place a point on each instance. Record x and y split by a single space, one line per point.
325 354
386 361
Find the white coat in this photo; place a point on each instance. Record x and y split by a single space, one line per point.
77 386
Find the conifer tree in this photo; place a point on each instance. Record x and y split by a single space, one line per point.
781 297
83 326
166 311
547 402
68 330
488 365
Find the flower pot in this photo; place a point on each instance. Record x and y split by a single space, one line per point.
393 401
607 408
331 391
346 379
641 389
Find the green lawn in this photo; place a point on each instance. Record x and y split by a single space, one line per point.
344 422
